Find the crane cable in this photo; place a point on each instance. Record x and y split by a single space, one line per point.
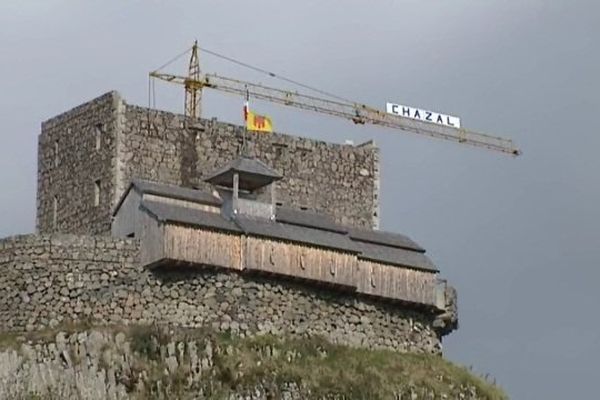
171 61
151 81
274 75
260 70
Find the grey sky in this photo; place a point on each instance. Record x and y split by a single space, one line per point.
519 238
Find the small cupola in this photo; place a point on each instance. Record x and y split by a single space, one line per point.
247 187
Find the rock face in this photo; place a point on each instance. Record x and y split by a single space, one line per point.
147 363
88 155
47 280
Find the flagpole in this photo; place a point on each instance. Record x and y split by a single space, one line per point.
245 132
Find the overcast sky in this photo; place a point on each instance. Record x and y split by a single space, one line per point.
518 237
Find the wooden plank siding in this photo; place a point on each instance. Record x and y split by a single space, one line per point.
300 261
128 220
152 246
202 246
188 244
395 282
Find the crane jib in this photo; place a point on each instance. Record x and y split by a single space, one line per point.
398 117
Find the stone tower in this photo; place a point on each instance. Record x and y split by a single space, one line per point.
88 156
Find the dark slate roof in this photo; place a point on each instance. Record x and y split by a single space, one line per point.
188 216
170 191
295 233
395 256
385 238
176 192
253 174
308 219
307 228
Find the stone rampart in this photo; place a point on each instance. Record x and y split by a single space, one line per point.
46 280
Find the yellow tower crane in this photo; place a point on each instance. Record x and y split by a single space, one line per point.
193 85
195 82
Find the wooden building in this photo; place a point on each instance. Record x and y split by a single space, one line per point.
239 227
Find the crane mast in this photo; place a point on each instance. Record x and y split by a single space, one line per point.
195 82
193 89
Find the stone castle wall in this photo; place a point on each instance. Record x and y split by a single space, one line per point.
69 165
48 279
340 180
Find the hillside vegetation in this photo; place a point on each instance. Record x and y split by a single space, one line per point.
144 362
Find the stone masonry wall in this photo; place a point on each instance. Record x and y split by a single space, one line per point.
340 180
70 163
45 280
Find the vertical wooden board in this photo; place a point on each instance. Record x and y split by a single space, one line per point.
300 261
372 284
346 273
409 295
288 259
399 280
412 289
395 282
283 251
380 278
152 244
315 264
266 255
261 250
316 267
381 275
366 277
348 269
250 250
373 280
312 265
201 246
387 277
338 273
324 266
342 270
406 292
275 260
361 276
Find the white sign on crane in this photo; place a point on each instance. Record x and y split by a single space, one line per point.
423 115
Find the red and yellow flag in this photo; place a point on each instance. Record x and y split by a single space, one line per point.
257 123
